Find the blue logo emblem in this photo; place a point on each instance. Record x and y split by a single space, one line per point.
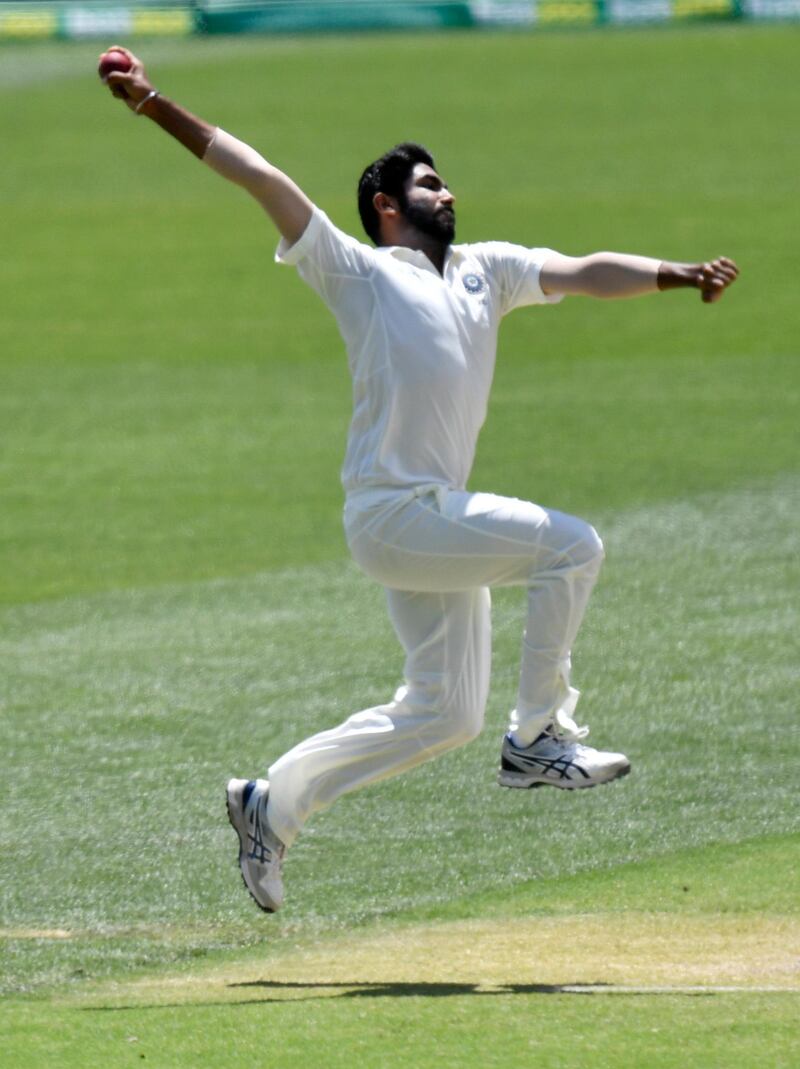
474 283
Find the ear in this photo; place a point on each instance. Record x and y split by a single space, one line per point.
385 205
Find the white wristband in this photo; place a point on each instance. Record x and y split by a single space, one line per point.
150 96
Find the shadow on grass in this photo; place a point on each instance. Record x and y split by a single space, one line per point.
303 991
400 989
423 989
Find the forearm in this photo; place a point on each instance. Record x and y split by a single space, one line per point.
225 154
193 133
615 275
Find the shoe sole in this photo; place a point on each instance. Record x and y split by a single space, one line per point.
233 796
522 781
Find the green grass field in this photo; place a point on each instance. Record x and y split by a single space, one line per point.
176 603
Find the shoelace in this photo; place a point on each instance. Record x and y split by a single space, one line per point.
565 729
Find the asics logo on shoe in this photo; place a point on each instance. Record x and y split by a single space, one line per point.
559 765
257 848
558 762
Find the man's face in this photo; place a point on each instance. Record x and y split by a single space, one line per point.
428 204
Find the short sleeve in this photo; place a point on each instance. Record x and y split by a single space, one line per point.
326 257
515 270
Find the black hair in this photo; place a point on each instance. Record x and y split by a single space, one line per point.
388 175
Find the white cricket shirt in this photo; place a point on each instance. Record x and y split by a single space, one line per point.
421 346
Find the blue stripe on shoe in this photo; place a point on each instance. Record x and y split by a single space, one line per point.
250 786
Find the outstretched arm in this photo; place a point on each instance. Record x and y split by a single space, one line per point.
614 274
286 204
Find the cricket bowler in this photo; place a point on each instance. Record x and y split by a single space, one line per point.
419 316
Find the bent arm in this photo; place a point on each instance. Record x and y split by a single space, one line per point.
615 275
286 204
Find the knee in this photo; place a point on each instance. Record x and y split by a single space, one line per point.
451 719
594 545
587 550
460 712
464 724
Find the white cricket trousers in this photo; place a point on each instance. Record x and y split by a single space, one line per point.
437 552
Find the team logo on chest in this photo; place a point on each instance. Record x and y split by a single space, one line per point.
474 283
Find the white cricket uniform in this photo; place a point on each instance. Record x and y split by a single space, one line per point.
421 348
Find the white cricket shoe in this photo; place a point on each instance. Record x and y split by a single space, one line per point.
260 850
558 758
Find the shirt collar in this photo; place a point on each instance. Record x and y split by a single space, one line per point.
454 255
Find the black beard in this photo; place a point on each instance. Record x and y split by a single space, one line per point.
439 225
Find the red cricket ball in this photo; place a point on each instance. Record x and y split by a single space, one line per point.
111 61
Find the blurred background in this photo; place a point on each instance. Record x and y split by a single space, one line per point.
68 20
